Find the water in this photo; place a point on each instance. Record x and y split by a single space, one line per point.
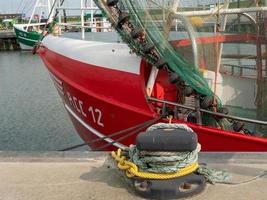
32 116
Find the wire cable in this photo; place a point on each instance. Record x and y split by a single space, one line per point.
129 134
142 125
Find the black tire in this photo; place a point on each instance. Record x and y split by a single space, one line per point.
192 118
174 78
137 32
206 102
148 48
160 64
112 3
238 126
123 18
223 110
188 91
178 140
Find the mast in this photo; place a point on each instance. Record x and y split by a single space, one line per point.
36 3
48 6
92 13
82 19
218 48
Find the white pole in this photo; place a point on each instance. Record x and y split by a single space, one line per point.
92 15
52 11
82 18
223 27
151 81
59 18
48 7
36 3
223 11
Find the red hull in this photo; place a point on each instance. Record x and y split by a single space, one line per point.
101 101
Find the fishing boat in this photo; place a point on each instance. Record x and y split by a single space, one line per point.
114 90
29 34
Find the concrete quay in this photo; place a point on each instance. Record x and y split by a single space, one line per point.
93 175
8 41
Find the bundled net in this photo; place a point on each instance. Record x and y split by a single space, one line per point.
225 46
157 18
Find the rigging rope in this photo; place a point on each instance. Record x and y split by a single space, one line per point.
133 128
26 4
20 4
136 131
36 46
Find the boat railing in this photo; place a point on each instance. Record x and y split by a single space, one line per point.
83 24
222 11
245 71
247 120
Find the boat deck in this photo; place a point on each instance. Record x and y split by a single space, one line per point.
92 175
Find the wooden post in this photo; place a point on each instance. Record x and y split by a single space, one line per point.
261 103
265 34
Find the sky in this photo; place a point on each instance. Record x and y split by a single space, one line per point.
26 6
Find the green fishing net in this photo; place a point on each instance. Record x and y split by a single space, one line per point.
156 18
229 60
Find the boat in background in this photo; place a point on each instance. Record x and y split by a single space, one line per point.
29 34
107 88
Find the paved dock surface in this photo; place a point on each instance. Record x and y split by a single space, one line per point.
92 175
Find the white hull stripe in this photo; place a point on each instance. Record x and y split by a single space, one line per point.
92 130
58 89
25 47
27 39
59 86
114 56
56 79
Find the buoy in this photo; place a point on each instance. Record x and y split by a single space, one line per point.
160 63
148 48
56 30
174 78
112 3
123 18
188 91
196 21
238 126
206 102
222 110
137 33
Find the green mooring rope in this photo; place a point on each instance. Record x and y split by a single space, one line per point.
170 162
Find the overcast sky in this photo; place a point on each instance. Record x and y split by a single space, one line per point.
26 6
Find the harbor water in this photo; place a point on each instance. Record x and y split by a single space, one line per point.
32 116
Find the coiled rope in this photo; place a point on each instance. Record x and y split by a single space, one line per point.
132 169
165 165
